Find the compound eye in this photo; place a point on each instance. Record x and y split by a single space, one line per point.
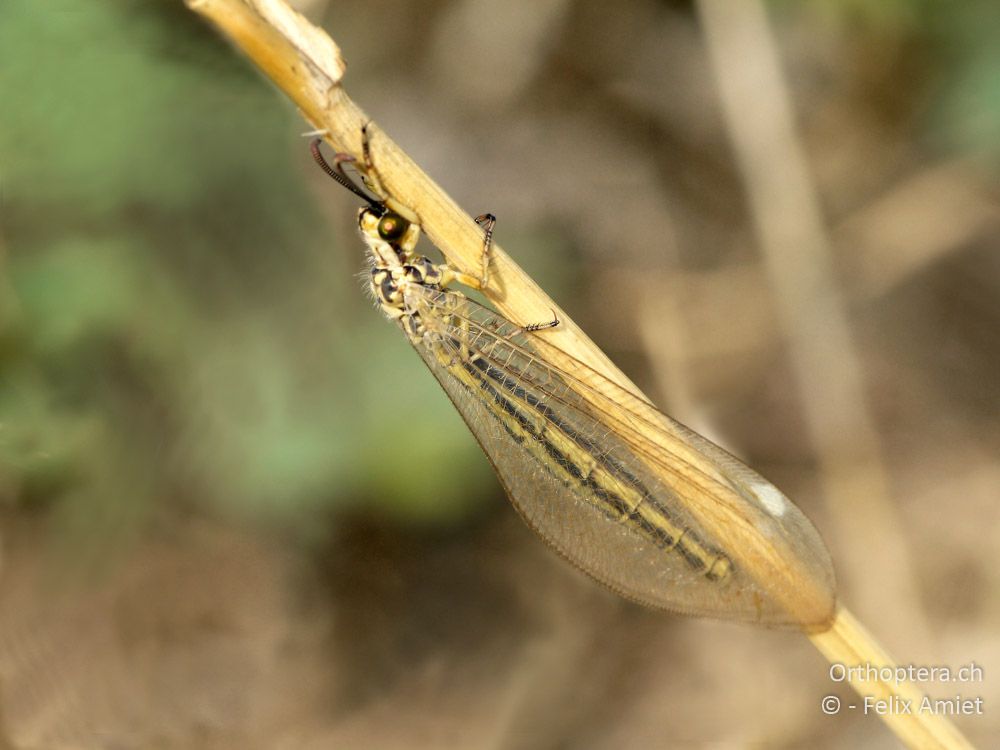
392 226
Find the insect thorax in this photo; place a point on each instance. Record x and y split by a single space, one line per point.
391 239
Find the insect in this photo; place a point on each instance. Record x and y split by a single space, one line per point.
636 500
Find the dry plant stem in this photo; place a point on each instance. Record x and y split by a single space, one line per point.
797 256
797 252
306 65
848 643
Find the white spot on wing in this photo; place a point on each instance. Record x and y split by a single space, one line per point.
773 501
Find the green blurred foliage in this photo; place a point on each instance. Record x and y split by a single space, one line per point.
967 112
174 327
962 111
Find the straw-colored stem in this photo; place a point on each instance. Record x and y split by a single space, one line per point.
799 263
847 643
306 65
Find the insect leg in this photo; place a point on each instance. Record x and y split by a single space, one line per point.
366 152
487 222
542 326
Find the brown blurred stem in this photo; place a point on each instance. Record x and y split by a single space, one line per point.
799 261
306 65
798 257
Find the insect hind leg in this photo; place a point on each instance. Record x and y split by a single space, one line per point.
542 326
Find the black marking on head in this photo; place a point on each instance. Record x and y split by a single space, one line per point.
376 210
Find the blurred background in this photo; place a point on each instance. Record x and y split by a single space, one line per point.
235 511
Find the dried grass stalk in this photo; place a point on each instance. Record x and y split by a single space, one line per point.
306 65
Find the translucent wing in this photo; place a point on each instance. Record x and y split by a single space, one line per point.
633 498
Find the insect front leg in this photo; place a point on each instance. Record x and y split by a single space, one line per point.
374 180
366 153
